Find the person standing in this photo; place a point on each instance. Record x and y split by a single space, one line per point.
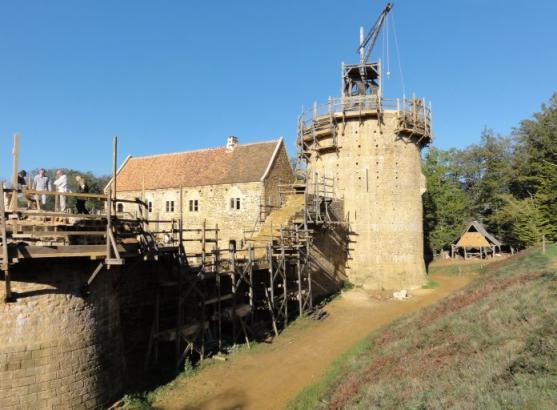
21 183
61 184
21 179
41 182
83 189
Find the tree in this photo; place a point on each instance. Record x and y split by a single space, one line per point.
524 222
509 184
535 161
486 171
445 203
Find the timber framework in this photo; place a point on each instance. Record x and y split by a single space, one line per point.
203 299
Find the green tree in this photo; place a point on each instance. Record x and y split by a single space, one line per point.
445 203
523 221
486 171
535 161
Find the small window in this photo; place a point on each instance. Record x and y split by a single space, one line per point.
150 206
169 206
194 205
120 207
234 203
232 245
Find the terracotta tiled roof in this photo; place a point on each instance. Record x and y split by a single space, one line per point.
213 166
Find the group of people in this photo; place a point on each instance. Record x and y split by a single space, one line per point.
42 182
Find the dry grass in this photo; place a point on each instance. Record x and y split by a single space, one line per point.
491 345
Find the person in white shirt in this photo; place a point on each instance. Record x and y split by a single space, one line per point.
41 182
61 184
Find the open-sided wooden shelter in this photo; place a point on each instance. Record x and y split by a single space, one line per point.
475 241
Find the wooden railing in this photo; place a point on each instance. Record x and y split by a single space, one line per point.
413 111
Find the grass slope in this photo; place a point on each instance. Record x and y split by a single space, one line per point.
491 345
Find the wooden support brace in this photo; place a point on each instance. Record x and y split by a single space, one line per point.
86 288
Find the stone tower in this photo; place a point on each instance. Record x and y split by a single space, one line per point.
57 348
367 150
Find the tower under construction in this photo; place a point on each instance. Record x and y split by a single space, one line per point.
368 147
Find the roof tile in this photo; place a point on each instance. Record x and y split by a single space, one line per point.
212 166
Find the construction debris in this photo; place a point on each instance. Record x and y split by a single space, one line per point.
401 294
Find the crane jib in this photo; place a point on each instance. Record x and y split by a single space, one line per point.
371 37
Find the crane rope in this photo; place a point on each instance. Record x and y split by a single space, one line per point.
388 48
395 37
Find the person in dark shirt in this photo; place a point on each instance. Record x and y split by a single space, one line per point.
82 188
21 179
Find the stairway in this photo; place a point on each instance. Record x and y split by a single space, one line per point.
291 210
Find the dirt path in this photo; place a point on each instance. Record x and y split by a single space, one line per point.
269 376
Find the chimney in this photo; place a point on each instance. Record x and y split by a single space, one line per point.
231 143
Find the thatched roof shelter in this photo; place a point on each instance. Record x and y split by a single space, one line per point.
475 236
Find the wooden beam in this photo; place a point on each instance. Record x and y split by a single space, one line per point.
114 171
29 192
15 154
70 251
5 256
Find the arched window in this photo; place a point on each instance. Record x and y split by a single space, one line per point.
120 207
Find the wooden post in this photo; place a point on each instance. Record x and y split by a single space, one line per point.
15 165
181 221
284 279
5 256
308 270
250 276
543 244
234 294
271 275
108 227
203 242
299 273
218 283
179 310
114 167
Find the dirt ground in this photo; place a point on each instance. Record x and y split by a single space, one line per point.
462 262
270 375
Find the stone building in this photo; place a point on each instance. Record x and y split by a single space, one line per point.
231 186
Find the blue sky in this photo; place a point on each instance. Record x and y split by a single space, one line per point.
174 75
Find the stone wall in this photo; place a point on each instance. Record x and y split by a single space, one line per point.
280 173
328 261
213 207
57 348
378 176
